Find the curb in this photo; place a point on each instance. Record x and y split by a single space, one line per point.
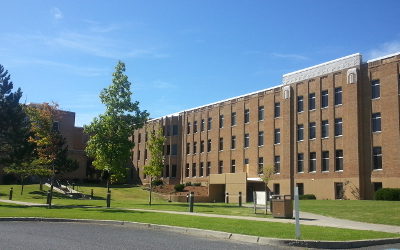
221 235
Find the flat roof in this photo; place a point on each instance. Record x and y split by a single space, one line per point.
383 57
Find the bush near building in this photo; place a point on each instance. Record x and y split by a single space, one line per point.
307 197
388 194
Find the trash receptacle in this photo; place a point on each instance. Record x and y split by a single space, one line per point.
282 206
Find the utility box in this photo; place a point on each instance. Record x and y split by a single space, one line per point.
282 206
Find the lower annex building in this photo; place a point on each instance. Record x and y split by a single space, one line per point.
332 130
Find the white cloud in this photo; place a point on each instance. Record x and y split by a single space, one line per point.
57 14
163 85
384 49
290 56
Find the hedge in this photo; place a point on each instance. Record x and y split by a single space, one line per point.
388 194
307 197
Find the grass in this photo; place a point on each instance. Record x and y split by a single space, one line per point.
257 228
379 212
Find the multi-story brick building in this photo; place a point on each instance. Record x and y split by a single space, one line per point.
332 130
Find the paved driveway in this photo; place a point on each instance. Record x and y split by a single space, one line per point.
47 235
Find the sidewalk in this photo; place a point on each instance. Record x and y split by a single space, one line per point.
305 219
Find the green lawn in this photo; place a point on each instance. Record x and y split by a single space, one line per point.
380 212
257 228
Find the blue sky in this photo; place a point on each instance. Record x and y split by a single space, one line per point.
181 54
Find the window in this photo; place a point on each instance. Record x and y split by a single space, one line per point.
174 129
187 170
145 154
377 186
221 121
233 119
174 149
261 138
188 128
277 109
202 125
173 172
277 164
260 165
188 148
300 188
138 155
209 145
338 96
246 116
220 167
166 170
233 166
312 130
300 104
277 137
246 140
377 157
233 142
313 162
338 127
339 160
195 127
300 162
168 149
208 170
339 191
376 122
209 123
325 129
139 138
168 130
194 147
201 146
261 113
311 101
201 169
325 161
193 169
375 88
145 137
56 126
300 132
324 99
277 189
246 161
221 144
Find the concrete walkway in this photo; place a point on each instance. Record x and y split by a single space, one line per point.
31 204
305 219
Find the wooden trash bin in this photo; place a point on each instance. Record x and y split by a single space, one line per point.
282 207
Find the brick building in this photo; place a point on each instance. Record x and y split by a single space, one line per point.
332 130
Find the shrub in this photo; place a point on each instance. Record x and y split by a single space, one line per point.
188 183
388 194
307 197
179 187
197 184
157 182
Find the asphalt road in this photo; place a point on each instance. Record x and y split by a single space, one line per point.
48 235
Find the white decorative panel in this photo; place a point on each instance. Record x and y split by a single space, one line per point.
286 92
323 69
352 76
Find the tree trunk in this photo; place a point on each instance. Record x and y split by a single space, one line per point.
108 185
266 196
22 186
151 181
41 184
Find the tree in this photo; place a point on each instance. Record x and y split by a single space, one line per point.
156 162
266 176
14 124
109 143
51 149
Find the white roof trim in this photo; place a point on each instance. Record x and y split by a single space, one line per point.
323 68
383 57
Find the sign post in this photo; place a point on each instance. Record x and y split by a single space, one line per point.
297 212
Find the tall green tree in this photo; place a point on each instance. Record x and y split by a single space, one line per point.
14 123
109 133
156 162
